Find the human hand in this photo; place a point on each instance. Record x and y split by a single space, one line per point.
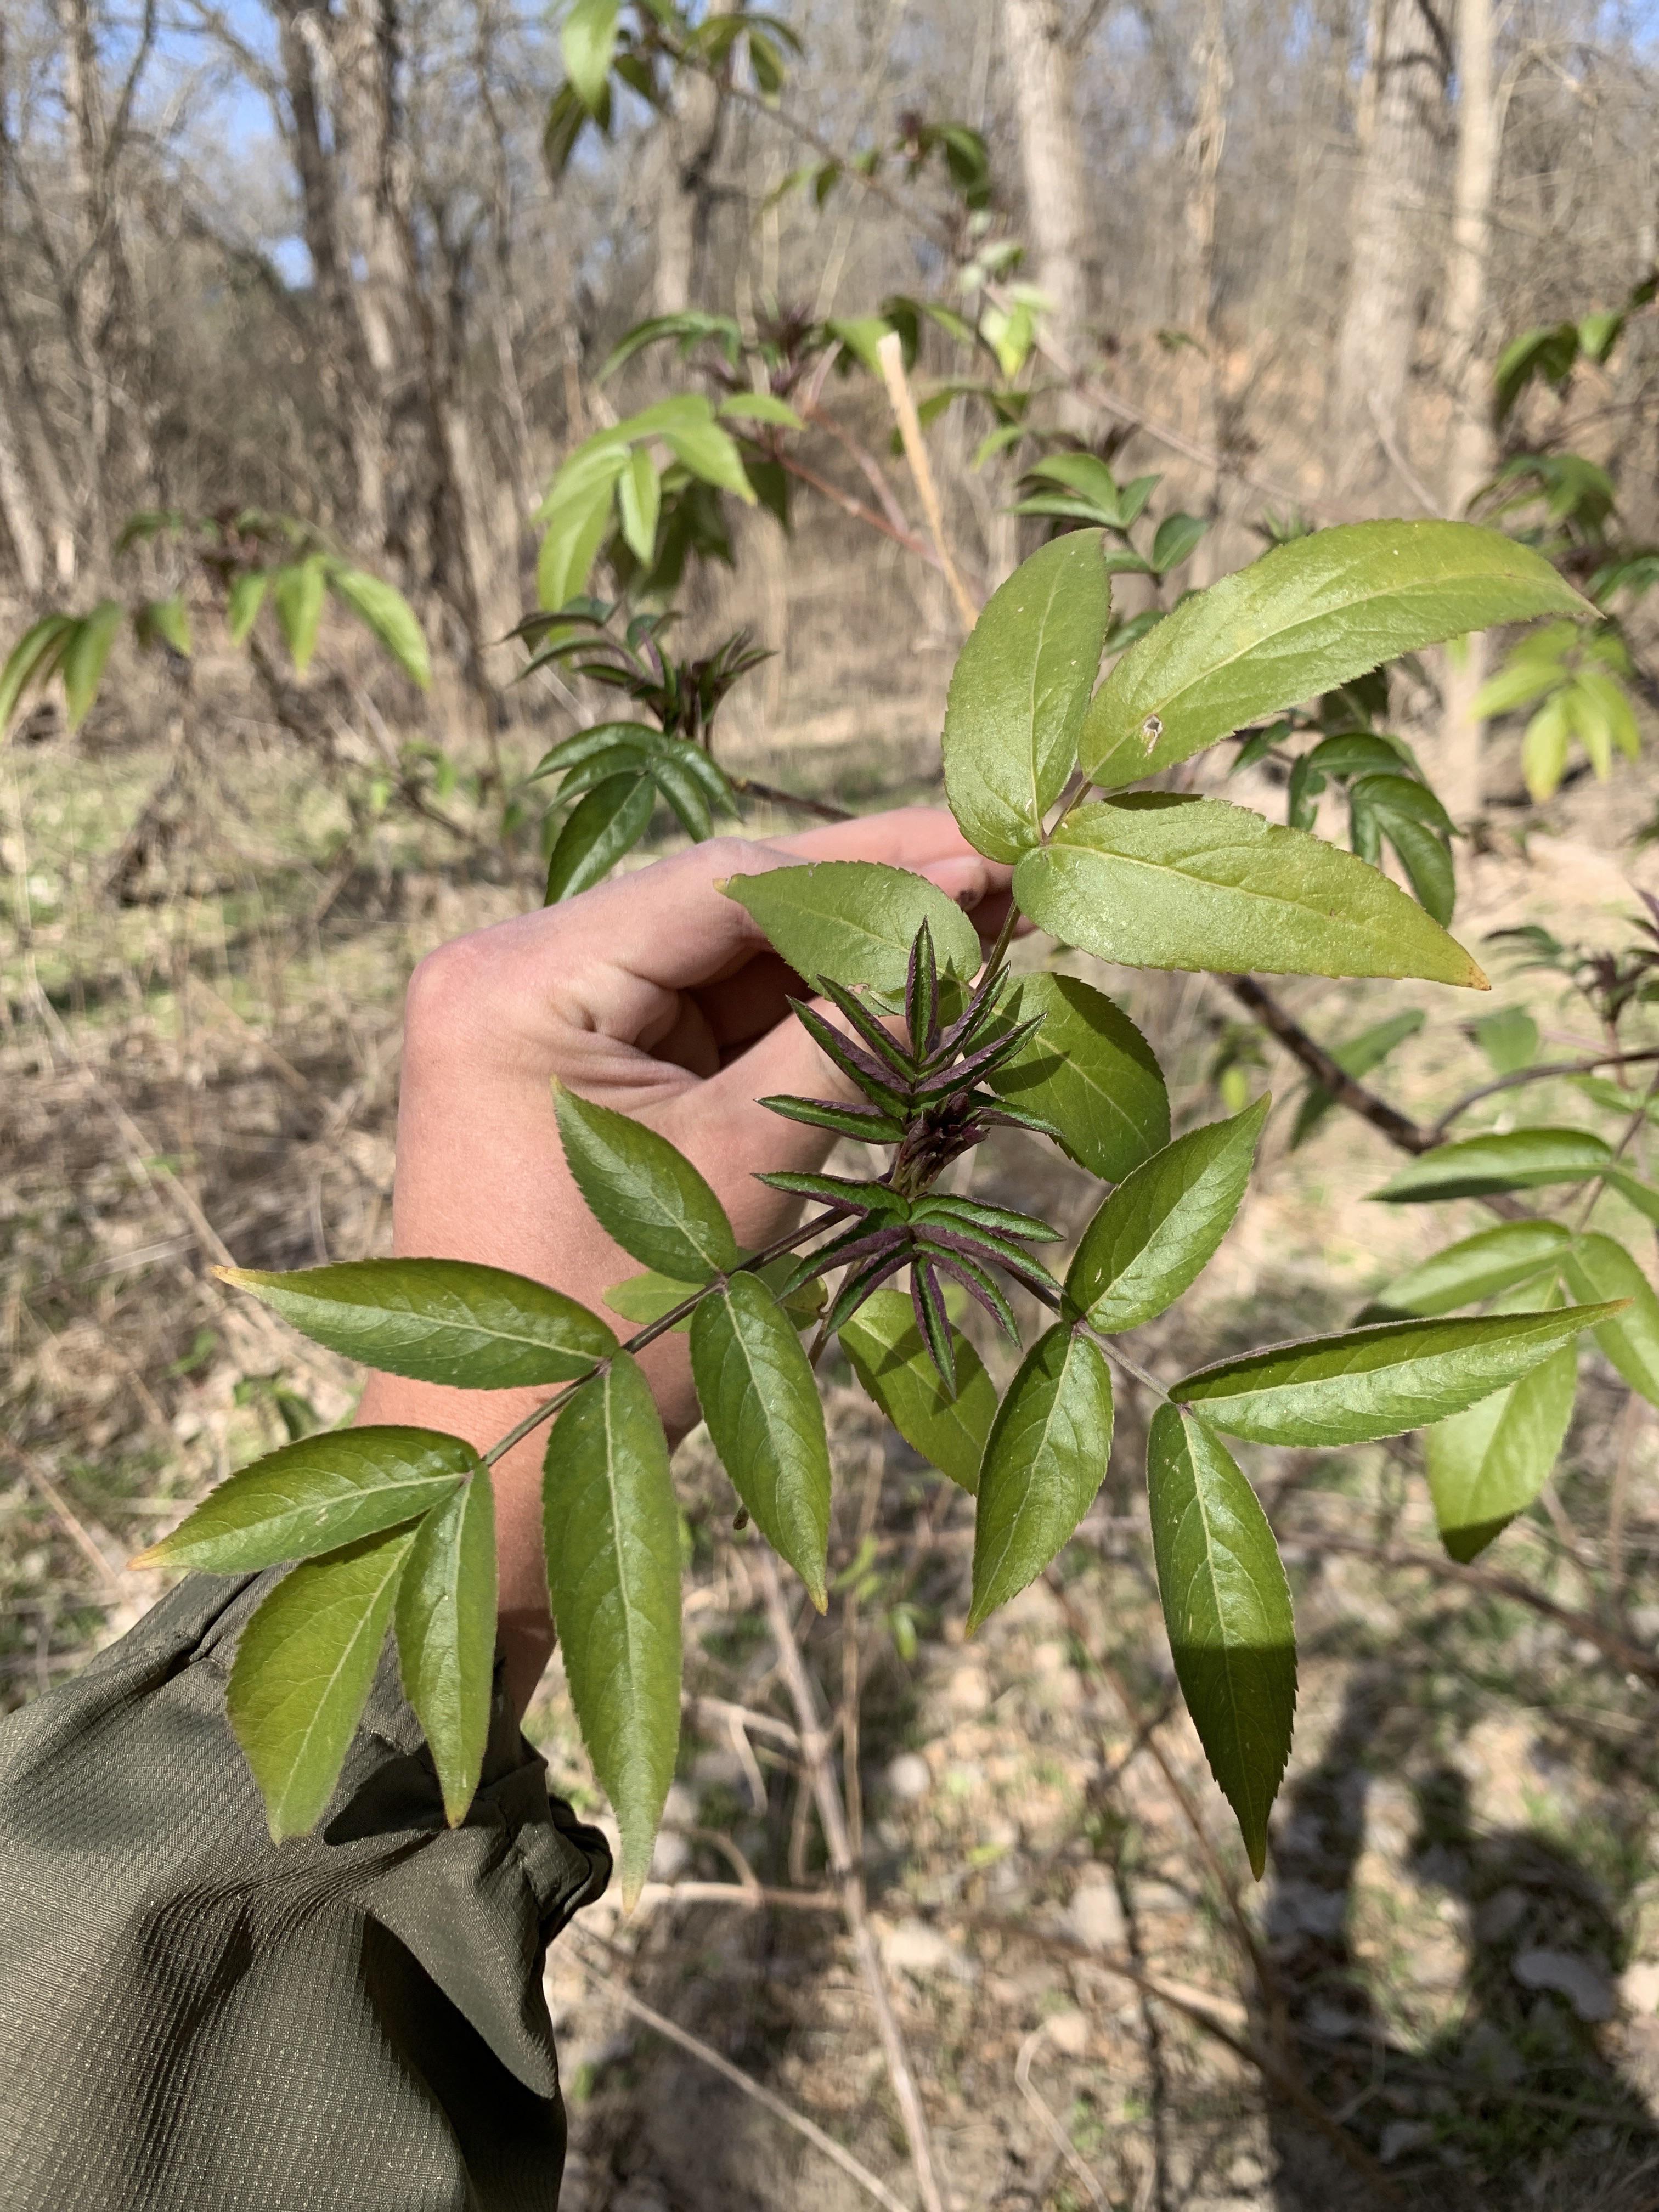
651 994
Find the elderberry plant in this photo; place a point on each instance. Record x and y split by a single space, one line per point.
935 1045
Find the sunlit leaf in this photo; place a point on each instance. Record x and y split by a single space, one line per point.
313 1496
856 920
1305 617
1597 1268
387 614
613 1560
1164 882
1017 695
1375 1381
441 1321
1158 1230
645 1193
1511 1160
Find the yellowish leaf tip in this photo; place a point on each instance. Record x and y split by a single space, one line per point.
153 1555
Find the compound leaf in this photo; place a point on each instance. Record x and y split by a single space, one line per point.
856 920
441 1321
1088 1070
313 1496
645 1192
887 1355
1160 1228
303 1671
1160 881
1227 1608
1307 617
446 1623
1375 1381
1044 1460
760 1398
613 1559
1018 693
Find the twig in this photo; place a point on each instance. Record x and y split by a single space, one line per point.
70 1521
1520 1076
889 351
749 1897
824 809
1618 1506
856 507
849 1882
1630 1658
775 2105
1045 2113
1391 446
1398 1128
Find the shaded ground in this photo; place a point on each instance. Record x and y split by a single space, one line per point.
1460 1922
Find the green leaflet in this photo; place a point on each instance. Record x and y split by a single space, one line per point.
382 608
1160 1228
1375 1381
1357 1057
606 823
441 1321
1488 1464
639 503
1516 1159
891 1360
1018 692
855 921
1598 1269
613 1563
1227 1608
297 591
248 595
85 657
587 44
446 1624
313 1496
1305 617
1088 1070
647 1195
303 1670
1509 1038
1158 881
1476 1267
760 1402
1044 1460
33 660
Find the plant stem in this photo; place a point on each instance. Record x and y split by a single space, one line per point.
1524 1075
1398 1128
533 1419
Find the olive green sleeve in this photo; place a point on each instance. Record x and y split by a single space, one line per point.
193 2017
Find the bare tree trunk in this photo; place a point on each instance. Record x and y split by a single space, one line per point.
686 151
1469 455
1051 159
17 510
1401 105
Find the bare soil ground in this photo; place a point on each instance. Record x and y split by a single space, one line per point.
1447 1991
